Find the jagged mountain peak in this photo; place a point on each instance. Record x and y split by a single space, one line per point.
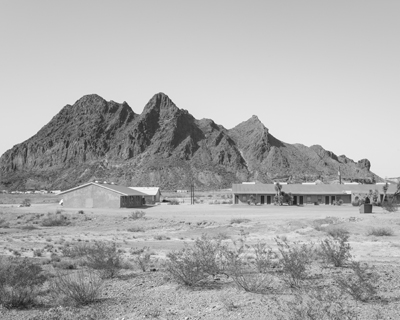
164 146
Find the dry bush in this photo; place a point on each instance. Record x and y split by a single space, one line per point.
173 202
249 266
138 214
239 220
105 258
4 223
315 304
142 257
361 284
80 288
20 281
195 263
101 256
55 220
380 232
390 206
336 251
295 260
135 229
338 232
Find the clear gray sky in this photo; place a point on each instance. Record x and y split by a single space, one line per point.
314 72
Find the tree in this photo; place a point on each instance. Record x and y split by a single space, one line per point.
385 189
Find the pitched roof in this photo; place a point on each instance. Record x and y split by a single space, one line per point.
150 191
124 191
310 189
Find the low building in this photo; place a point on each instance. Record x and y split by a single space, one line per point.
152 194
101 195
305 193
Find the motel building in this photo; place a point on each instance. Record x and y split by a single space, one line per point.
307 193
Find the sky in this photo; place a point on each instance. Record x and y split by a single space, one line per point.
314 72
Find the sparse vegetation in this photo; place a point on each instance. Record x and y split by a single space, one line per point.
361 284
336 251
239 220
173 202
81 287
55 220
138 214
20 281
380 232
136 229
295 259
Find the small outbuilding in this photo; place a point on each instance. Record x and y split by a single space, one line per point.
152 194
102 195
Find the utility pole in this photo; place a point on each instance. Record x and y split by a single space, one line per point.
340 176
192 193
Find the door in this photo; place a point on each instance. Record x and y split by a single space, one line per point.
262 200
301 200
333 199
326 199
236 199
268 199
295 200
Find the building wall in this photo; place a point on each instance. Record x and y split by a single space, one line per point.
307 199
91 197
131 201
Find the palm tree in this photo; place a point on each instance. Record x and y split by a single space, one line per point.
278 188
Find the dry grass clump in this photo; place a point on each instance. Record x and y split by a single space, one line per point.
138 214
80 288
20 281
380 232
336 251
173 202
56 220
295 260
193 264
102 256
135 229
239 220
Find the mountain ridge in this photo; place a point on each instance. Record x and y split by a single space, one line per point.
163 146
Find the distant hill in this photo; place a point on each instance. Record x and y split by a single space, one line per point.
163 146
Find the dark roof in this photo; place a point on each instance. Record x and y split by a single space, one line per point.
124 191
311 189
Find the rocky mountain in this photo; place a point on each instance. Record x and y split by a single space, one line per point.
163 146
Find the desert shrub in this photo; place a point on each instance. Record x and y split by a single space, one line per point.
361 284
390 206
161 237
380 232
239 220
81 212
138 214
142 258
28 227
105 258
75 251
336 251
173 202
81 287
135 229
294 260
338 232
55 220
248 266
20 281
193 264
315 304
264 257
26 203
4 223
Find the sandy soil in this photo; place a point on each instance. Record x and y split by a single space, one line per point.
166 228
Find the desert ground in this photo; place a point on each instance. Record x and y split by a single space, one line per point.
153 293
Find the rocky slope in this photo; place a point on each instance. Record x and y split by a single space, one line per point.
163 146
